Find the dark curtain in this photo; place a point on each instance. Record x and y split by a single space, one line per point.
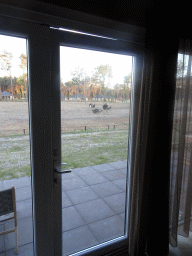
180 221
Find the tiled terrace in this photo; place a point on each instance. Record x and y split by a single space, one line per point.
93 205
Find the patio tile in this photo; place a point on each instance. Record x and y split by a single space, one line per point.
119 164
78 239
23 250
106 189
23 194
107 229
122 215
25 233
116 202
17 183
85 171
94 210
71 218
1 185
103 167
92 179
73 183
81 195
114 175
65 200
121 183
69 175
24 209
2 239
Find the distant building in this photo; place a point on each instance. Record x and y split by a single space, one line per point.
77 97
101 97
6 95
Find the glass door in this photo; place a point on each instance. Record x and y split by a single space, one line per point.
91 96
26 143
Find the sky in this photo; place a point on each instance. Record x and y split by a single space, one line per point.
88 59
16 46
70 58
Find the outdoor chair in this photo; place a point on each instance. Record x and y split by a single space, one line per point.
8 211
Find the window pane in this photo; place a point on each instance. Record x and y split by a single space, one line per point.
95 113
15 169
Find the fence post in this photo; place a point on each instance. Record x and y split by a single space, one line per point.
24 131
85 128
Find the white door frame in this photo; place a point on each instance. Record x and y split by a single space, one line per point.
38 53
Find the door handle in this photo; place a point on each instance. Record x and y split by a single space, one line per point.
62 171
55 169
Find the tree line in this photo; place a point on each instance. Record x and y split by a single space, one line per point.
99 83
17 86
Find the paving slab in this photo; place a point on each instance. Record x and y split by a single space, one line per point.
107 229
69 175
119 164
114 175
25 233
71 218
92 179
122 215
94 210
65 200
23 194
2 239
121 183
116 202
1 185
103 167
24 209
78 239
17 183
73 183
106 189
25 250
81 195
85 170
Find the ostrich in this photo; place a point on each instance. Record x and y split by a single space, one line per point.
105 106
91 105
96 111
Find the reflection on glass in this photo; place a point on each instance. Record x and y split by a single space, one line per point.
95 109
14 139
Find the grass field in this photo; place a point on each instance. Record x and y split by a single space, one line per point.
78 150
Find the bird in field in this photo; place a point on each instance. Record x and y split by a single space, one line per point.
96 111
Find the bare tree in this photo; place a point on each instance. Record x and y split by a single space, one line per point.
6 61
23 66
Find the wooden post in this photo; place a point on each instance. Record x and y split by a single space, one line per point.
24 131
85 128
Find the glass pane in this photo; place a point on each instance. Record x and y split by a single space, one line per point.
95 113
15 169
